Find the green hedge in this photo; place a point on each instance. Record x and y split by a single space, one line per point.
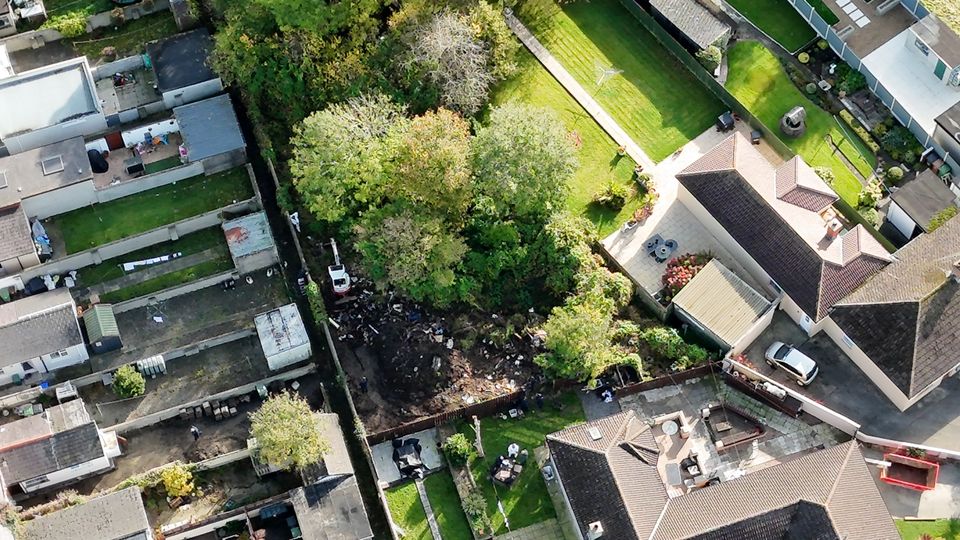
853 216
858 129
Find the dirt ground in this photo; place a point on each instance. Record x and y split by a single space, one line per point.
419 363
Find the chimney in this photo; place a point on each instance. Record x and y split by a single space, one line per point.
833 228
594 530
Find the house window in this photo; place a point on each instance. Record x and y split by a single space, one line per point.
33 482
58 354
922 46
52 165
4 22
847 341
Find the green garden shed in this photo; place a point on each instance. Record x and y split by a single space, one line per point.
102 329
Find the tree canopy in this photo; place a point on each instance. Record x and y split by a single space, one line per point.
286 431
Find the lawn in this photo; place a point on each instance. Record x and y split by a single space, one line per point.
87 7
129 39
759 82
779 20
405 508
597 154
947 10
948 529
655 99
106 222
445 502
162 165
186 245
527 501
165 281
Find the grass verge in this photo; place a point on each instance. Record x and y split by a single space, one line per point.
777 19
656 100
407 512
759 82
102 223
166 281
527 501
948 529
445 502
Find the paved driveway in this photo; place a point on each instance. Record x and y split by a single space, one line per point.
841 386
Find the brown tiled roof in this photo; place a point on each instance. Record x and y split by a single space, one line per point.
906 318
16 239
800 186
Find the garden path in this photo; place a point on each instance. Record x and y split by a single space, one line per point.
431 518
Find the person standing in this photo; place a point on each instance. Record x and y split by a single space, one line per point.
195 432
363 384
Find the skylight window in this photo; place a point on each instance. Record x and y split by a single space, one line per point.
52 165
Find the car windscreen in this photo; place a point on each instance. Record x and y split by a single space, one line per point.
781 352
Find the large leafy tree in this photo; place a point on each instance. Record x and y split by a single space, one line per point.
338 155
286 432
350 21
522 160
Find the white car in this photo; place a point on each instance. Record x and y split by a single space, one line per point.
796 364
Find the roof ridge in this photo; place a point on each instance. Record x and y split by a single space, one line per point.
836 481
656 526
916 340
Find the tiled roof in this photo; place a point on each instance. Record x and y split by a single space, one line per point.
828 494
799 185
694 20
15 237
906 318
38 325
57 452
117 516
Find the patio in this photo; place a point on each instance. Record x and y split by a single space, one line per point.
139 89
152 157
867 31
672 220
386 469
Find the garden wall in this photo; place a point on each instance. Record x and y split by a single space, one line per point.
175 291
130 13
130 63
149 181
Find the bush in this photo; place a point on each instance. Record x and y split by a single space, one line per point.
458 449
825 174
614 195
710 58
317 308
70 25
117 16
869 195
681 270
667 343
810 88
901 144
128 382
871 216
644 182
475 507
803 57
823 45
858 129
879 130
177 480
852 81
894 174
942 217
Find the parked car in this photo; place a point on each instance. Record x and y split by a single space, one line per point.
796 364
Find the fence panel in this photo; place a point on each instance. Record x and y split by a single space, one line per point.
885 96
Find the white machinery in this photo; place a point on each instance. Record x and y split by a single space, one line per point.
338 272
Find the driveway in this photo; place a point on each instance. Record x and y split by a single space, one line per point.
843 387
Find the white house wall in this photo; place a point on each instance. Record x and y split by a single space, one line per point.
76 354
758 327
899 219
60 200
66 475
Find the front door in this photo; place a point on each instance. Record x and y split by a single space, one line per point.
115 141
940 69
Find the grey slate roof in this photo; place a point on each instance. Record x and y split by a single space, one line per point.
182 60
828 494
117 516
209 127
922 197
38 325
694 20
331 509
59 451
16 239
906 319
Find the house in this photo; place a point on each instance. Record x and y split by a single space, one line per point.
60 445
251 243
916 202
49 104
48 180
211 134
8 19
910 59
902 326
779 223
116 516
40 333
691 23
182 66
283 336
946 135
614 480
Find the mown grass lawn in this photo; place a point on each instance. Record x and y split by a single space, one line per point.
171 279
527 501
948 529
407 512
129 38
759 82
597 153
656 100
106 222
445 502
777 19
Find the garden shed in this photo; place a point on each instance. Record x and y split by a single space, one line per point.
251 242
211 134
723 308
102 330
691 23
283 336
917 202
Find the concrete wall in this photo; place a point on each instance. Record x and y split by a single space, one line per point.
899 219
758 327
17 264
788 306
173 292
65 475
224 162
132 137
257 261
31 40
60 201
8 25
129 63
189 94
149 181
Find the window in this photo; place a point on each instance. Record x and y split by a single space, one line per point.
847 341
52 165
922 46
940 70
789 368
58 354
33 482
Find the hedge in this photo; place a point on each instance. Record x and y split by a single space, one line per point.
858 129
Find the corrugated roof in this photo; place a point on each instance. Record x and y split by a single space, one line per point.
117 516
248 234
100 322
721 302
694 20
209 127
922 197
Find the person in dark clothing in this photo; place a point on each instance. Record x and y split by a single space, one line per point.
539 399
363 385
195 432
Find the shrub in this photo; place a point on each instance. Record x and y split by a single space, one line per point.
710 58
667 343
803 57
117 16
825 174
810 88
177 480
614 195
681 270
644 182
128 382
901 144
315 299
894 174
871 216
475 507
942 217
879 130
858 129
869 195
823 45
852 81
70 24
458 449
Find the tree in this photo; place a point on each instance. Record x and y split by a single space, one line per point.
430 165
338 154
286 431
177 480
522 161
562 251
128 382
942 217
489 26
347 20
579 337
412 251
446 52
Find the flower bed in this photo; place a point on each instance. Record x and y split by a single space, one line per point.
680 271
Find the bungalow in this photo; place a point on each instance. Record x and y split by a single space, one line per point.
614 478
60 445
914 204
48 180
182 66
117 516
40 333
